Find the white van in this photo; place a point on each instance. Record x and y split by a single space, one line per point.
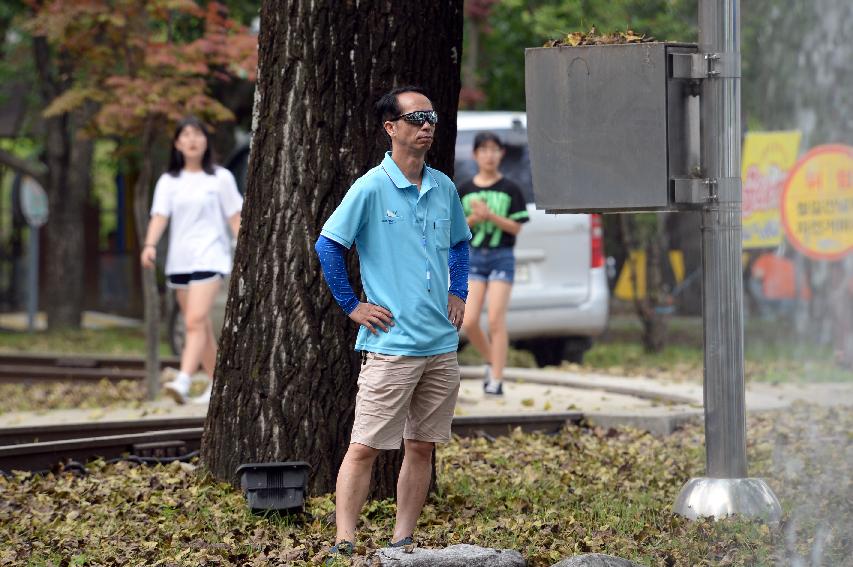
560 297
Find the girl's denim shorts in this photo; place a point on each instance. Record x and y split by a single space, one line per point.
492 264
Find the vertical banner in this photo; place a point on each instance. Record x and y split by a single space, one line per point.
767 158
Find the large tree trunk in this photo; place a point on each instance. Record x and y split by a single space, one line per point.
68 180
286 376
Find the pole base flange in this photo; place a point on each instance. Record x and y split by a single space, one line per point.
721 497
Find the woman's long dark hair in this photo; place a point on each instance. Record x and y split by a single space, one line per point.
176 158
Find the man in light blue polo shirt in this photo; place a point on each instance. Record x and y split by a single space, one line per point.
408 226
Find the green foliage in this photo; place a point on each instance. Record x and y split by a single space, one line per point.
104 170
517 24
548 496
243 11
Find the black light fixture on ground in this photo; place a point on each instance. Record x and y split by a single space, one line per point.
274 487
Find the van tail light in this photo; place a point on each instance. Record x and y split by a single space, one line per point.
596 237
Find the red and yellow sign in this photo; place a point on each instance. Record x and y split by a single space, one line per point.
817 203
767 159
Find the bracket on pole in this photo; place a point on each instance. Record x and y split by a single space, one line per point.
700 190
692 190
705 65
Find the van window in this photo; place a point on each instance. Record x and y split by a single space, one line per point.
515 165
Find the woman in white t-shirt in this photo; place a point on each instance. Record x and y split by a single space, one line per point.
202 203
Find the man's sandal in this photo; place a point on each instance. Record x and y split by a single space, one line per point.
343 548
403 542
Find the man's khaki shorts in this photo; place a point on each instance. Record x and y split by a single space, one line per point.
409 397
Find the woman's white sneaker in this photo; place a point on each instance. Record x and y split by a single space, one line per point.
178 389
204 398
487 376
494 388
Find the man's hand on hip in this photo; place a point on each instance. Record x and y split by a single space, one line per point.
455 310
368 314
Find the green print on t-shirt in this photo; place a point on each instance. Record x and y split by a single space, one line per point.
498 202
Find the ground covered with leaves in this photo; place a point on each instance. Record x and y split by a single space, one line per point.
548 496
61 395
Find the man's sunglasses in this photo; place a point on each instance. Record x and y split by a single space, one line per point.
418 117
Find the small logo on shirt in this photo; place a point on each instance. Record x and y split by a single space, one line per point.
391 217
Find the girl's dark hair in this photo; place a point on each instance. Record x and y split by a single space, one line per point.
483 137
176 158
386 107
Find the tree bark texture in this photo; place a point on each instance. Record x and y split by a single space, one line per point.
286 376
68 180
150 292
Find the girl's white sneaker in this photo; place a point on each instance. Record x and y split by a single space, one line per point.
176 391
204 398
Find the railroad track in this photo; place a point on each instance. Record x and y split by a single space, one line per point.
32 448
37 448
34 368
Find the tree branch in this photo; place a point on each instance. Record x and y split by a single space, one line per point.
36 170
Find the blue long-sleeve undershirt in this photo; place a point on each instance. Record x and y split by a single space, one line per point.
332 260
457 261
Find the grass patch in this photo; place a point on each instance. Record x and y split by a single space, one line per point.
772 353
549 497
629 357
118 341
515 358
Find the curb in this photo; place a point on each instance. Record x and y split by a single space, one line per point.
600 382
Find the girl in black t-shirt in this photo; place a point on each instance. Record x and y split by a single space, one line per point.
495 209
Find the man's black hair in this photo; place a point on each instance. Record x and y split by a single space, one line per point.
387 107
483 137
176 158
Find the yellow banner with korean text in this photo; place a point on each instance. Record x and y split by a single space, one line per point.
817 203
767 159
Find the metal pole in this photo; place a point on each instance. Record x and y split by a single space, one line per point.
33 278
725 422
726 489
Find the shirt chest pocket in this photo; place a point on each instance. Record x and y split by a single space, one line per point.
442 233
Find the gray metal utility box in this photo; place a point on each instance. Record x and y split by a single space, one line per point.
609 129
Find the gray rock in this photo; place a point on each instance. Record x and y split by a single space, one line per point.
595 560
461 555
